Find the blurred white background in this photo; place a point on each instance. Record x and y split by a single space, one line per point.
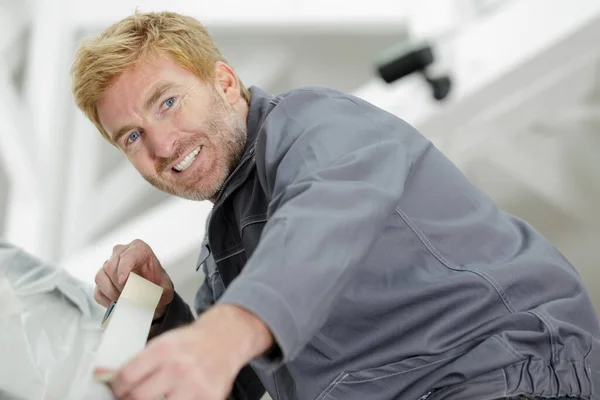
522 119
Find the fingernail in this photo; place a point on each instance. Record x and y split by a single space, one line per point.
104 376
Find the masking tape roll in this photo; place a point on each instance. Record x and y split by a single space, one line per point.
128 323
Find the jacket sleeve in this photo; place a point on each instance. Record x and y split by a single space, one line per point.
334 168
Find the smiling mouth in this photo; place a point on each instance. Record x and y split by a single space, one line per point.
187 161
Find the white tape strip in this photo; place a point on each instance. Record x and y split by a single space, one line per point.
129 323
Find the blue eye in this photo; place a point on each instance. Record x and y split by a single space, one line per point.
133 136
169 102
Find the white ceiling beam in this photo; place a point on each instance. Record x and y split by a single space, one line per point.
508 134
24 213
514 48
49 101
503 49
173 229
286 15
15 16
543 99
24 209
16 155
81 209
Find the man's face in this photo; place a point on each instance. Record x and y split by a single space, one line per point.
182 134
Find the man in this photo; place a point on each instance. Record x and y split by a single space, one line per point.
345 256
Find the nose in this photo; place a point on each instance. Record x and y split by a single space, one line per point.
162 141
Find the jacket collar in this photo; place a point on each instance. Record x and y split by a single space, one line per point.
260 102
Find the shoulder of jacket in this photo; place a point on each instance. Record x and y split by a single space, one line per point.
303 95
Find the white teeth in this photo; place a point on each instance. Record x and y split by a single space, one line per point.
187 161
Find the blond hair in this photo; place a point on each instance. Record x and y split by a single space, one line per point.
100 60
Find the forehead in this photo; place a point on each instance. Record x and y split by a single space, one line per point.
141 78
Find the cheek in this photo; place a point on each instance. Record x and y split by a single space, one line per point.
183 117
140 162
188 119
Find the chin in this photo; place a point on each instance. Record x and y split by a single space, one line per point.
197 193
202 184
192 196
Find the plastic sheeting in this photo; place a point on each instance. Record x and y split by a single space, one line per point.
49 331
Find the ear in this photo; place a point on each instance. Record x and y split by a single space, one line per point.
227 83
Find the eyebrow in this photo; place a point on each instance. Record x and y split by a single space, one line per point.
123 131
157 93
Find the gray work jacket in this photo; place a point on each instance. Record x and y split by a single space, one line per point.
381 271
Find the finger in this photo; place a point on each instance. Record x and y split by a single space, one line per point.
104 375
100 298
134 257
107 288
111 265
135 371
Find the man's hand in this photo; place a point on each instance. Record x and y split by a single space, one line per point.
198 361
136 257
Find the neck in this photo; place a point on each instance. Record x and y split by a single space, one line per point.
242 108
